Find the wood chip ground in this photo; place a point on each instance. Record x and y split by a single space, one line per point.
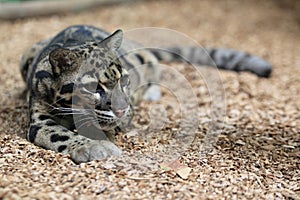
257 155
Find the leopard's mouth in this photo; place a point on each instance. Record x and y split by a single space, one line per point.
112 117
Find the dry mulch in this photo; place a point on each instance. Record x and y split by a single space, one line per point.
257 155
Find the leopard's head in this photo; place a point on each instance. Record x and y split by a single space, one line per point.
92 81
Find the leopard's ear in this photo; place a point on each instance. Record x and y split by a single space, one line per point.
63 60
114 41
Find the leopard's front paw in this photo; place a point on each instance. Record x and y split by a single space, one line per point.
95 150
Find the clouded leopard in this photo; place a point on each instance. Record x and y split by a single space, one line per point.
85 72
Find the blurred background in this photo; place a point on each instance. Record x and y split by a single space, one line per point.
14 9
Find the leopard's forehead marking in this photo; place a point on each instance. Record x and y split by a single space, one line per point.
95 56
99 65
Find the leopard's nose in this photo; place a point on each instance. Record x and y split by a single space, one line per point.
120 112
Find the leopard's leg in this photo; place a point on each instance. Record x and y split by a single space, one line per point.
45 132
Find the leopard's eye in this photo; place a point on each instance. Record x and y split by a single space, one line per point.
100 91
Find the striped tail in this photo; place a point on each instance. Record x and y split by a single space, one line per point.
227 59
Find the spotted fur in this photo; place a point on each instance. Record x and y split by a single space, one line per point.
83 77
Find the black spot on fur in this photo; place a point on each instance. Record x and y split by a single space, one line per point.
51 123
61 148
157 54
33 132
58 138
32 120
102 55
68 88
106 75
51 93
119 67
176 51
140 58
98 65
212 54
30 105
44 117
43 74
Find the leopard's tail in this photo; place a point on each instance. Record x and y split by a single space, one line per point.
227 59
